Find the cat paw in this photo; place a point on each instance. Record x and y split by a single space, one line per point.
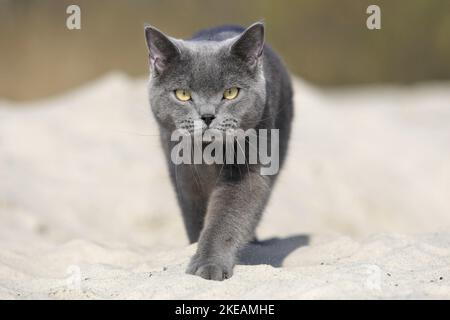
210 270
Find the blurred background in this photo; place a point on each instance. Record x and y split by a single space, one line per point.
324 41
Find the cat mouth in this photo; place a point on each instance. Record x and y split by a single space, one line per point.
213 134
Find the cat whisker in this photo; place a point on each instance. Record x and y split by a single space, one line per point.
245 159
195 172
139 134
218 176
176 170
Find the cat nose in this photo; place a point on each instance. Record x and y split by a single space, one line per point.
208 118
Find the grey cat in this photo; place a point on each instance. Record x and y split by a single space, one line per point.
226 77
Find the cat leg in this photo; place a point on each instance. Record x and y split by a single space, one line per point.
193 213
191 198
233 213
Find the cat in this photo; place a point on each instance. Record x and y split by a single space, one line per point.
228 78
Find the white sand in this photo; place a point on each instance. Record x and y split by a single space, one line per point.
362 209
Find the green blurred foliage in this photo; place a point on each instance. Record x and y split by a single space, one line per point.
323 41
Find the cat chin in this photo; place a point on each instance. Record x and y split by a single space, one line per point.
207 135
210 133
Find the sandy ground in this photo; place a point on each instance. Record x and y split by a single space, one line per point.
362 209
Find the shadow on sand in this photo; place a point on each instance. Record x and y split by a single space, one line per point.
272 251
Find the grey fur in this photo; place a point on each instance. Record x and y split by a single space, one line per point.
221 205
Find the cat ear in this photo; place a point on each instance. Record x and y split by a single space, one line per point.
250 44
161 49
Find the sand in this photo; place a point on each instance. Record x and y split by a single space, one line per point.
361 210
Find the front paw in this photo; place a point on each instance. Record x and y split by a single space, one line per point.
210 269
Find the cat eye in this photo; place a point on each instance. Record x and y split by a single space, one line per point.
231 93
183 95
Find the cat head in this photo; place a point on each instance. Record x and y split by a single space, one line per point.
218 83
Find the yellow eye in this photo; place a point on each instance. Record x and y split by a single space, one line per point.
231 93
183 95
